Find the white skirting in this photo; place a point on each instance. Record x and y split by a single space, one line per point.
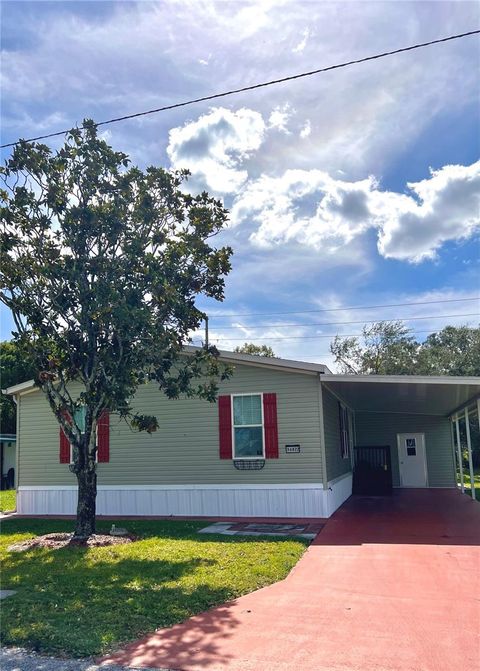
298 500
339 490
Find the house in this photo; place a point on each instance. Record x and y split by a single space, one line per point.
7 460
280 442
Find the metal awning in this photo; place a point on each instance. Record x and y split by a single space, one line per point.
414 394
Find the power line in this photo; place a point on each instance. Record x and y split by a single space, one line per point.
257 86
355 307
329 335
374 321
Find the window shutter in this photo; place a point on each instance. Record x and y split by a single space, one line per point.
64 448
103 437
270 424
64 443
225 426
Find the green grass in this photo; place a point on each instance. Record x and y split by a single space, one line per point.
85 601
8 500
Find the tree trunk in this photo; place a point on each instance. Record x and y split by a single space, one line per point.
86 506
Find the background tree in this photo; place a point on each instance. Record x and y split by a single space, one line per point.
101 266
256 350
455 350
385 348
14 368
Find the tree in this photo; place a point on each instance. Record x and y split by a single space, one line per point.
14 368
455 350
385 348
255 350
101 266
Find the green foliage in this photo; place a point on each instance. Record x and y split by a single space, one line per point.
81 602
14 368
255 350
455 350
101 266
385 348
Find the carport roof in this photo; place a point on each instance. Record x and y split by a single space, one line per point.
414 394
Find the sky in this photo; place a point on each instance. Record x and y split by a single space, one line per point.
355 188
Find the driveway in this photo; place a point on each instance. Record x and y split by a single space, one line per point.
390 584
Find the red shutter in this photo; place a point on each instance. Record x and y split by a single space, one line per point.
64 448
270 424
64 443
225 426
103 437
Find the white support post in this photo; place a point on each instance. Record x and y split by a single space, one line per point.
454 452
459 452
469 450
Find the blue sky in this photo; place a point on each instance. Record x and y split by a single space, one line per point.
356 187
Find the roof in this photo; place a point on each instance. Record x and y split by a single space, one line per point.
18 388
412 394
272 362
228 357
415 394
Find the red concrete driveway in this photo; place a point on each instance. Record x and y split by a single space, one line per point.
390 584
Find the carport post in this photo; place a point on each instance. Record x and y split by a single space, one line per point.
459 452
469 449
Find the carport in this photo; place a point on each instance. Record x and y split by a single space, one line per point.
418 418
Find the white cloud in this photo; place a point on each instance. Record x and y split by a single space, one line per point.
303 42
215 145
306 129
279 118
444 207
314 209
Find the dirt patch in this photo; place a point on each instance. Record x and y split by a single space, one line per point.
56 541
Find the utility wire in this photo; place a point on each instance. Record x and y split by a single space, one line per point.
326 335
257 86
354 307
362 321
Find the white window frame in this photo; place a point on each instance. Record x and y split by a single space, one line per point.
246 426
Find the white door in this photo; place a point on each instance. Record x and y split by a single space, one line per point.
412 462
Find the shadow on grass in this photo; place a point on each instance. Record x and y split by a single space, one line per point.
84 601
144 529
66 602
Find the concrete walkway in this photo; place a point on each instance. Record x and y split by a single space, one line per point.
390 584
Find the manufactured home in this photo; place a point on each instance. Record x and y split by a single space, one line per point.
285 439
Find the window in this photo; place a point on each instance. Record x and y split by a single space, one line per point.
248 442
411 444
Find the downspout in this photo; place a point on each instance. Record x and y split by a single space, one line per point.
16 400
323 450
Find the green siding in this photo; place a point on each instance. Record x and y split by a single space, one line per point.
185 448
336 464
378 428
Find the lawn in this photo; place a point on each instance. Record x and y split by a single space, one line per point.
8 500
80 602
466 480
